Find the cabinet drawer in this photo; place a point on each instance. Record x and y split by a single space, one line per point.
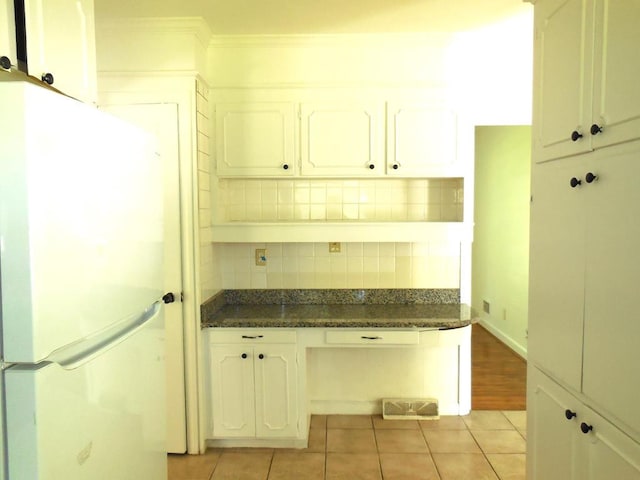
250 335
372 337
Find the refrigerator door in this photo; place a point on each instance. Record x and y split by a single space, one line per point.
81 238
100 417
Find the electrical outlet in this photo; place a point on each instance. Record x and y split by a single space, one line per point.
486 306
261 256
334 247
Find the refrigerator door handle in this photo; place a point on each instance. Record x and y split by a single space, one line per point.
78 353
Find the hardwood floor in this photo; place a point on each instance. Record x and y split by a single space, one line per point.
498 375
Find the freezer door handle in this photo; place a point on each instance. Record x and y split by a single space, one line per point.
77 354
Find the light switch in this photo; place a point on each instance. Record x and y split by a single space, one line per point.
261 256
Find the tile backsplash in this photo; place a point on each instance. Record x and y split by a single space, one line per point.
357 265
397 200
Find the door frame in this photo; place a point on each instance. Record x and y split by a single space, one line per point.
123 88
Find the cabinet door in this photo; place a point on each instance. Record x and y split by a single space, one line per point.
276 393
562 98
556 269
255 139
606 452
232 391
422 140
616 106
551 436
558 448
61 41
7 31
342 139
611 329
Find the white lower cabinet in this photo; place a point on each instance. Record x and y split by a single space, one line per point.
569 441
253 391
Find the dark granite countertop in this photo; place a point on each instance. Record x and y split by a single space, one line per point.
337 315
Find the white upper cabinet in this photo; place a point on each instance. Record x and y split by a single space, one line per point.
7 32
255 139
422 140
585 75
616 106
561 97
346 138
61 45
343 139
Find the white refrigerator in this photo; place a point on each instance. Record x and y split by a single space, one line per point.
81 248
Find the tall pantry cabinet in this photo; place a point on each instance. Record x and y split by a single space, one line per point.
583 392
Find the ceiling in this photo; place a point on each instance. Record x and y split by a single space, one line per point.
281 17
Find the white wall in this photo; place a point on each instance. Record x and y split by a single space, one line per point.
501 234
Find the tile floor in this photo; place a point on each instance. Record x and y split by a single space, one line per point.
483 445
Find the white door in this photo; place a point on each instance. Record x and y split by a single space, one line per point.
162 120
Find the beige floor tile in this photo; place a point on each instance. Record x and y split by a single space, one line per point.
349 421
192 467
517 417
317 443
351 440
381 423
463 466
451 441
318 421
297 466
408 466
353 466
510 466
398 441
317 440
242 466
449 422
500 441
487 420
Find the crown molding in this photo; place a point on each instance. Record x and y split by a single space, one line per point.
196 26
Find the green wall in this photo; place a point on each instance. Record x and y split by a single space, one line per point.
500 253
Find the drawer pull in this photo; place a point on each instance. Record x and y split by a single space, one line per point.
371 338
252 336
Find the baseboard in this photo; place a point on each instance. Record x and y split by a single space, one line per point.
507 340
341 407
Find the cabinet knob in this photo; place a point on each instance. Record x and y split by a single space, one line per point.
395 166
585 428
47 78
285 166
371 166
569 414
261 356
574 182
244 355
590 177
595 129
5 63
575 135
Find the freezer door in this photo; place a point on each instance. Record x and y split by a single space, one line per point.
103 419
81 233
